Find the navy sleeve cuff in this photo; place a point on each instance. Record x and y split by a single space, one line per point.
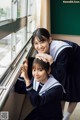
21 79
30 87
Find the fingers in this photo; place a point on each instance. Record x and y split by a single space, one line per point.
21 69
25 61
42 58
45 57
24 67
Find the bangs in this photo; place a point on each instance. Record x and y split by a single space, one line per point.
36 65
43 65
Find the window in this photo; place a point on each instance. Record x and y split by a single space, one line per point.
22 8
17 22
31 20
5 10
5 53
18 32
21 39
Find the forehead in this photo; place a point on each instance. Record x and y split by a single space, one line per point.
36 65
36 39
42 39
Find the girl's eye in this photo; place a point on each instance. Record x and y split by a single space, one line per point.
40 69
34 70
35 43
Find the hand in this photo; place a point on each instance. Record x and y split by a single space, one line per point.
24 72
45 57
25 61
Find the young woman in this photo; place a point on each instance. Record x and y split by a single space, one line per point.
64 57
44 91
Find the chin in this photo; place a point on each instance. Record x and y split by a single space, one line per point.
41 51
37 80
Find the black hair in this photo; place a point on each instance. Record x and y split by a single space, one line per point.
44 65
41 33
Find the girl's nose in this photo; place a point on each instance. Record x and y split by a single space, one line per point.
36 73
40 46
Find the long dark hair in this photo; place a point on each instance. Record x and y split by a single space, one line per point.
42 33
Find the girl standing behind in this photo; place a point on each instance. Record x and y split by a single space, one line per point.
65 67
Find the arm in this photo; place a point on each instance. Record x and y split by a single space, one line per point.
24 73
54 94
20 86
45 57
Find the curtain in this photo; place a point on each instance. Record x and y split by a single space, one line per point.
43 13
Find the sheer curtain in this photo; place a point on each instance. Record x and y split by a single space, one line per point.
43 13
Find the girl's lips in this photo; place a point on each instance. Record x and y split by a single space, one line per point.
41 50
37 77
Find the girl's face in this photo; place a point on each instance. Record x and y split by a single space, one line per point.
39 74
41 46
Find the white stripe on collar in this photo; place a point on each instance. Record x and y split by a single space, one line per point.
56 47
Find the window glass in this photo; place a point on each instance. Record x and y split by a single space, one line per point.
12 44
30 28
22 5
5 53
5 9
31 7
31 18
21 39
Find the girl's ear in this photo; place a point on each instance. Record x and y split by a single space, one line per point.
49 71
50 39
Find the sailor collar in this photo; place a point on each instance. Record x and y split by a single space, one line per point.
51 82
56 47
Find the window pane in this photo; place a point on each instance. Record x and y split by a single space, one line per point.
5 53
21 39
31 7
5 9
22 5
30 28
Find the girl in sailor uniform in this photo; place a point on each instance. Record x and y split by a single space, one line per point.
64 57
44 91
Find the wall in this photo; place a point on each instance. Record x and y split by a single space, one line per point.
65 20
18 106
73 38
65 17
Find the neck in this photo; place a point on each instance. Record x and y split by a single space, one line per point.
44 81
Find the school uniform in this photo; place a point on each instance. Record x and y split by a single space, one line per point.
46 99
66 68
